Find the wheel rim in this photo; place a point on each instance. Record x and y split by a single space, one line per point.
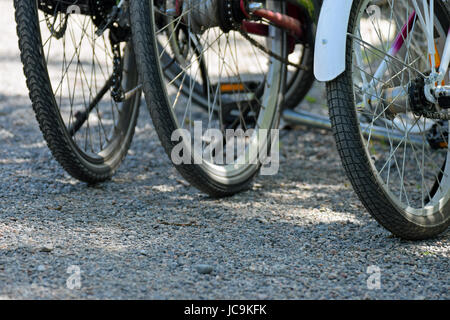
414 177
229 59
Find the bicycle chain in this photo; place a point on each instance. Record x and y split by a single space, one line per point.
116 88
435 115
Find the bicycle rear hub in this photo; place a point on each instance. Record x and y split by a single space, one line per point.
204 14
229 15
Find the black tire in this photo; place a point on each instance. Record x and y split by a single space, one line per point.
147 57
88 166
360 169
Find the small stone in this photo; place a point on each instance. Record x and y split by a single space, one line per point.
46 249
204 269
332 276
41 268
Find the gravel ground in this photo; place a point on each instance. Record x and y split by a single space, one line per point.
146 234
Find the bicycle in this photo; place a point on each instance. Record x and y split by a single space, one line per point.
82 80
386 68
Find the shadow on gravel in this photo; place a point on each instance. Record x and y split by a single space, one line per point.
299 234
150 254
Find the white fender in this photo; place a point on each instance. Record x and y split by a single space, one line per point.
331 36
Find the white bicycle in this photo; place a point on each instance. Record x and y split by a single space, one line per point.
386 67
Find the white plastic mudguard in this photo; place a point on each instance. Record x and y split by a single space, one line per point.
330 47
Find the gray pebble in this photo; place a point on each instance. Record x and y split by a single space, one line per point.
204 268
46 249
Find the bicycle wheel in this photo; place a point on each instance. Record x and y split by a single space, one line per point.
401 175
82 81
241 88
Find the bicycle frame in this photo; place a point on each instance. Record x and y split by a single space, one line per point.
446 57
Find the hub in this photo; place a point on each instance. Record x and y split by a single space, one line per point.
204 14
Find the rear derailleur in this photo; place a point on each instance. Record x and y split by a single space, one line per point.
437 136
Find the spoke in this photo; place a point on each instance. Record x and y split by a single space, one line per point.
364 43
